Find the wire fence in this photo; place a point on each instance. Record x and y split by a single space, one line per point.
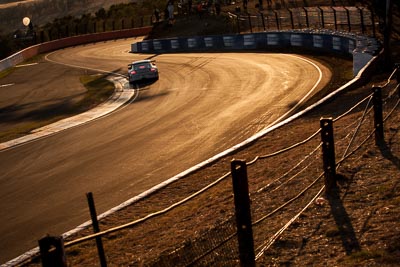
360 20
281 187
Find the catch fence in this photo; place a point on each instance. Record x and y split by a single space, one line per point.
280 185
359 20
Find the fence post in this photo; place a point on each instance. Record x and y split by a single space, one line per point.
307 20
52 252
250 25
276 20
334 17
96 229
328 153
373 23
362 20
243 213
262 19
238 23
322 17
348 18
378 115
291 18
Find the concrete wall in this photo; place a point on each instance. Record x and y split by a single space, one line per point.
70 41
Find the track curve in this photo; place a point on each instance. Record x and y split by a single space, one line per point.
202 105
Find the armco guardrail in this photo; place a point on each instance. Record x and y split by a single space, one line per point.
70 41
362 48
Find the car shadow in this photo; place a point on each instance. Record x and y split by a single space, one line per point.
142 84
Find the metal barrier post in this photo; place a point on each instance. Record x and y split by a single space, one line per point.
361 19
378 115
250 25
277 20
243 213
307 20
263 21
291 18
96 229
52 252
348 18
373 24
322 17
328 153
334 17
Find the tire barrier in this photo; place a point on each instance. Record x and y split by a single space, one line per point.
361 48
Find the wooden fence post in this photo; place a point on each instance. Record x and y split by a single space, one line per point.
328 154
243 213
52 252
378 115
96 229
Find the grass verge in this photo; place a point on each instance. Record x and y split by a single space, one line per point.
98 90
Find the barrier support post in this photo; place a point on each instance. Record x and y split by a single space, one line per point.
96 229
291 18
328 154
378 115
250 24
243 213
322 17
307 20
262 19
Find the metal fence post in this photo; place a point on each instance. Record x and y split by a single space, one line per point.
361 19
328 153
373 23
96 229
348 18
243 213
322 17
262 19
277 20
291 18
334 17
378 115
307 20
250 25
52 252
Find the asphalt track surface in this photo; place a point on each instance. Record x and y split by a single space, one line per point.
203 104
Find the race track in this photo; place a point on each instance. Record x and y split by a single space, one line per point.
201 105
